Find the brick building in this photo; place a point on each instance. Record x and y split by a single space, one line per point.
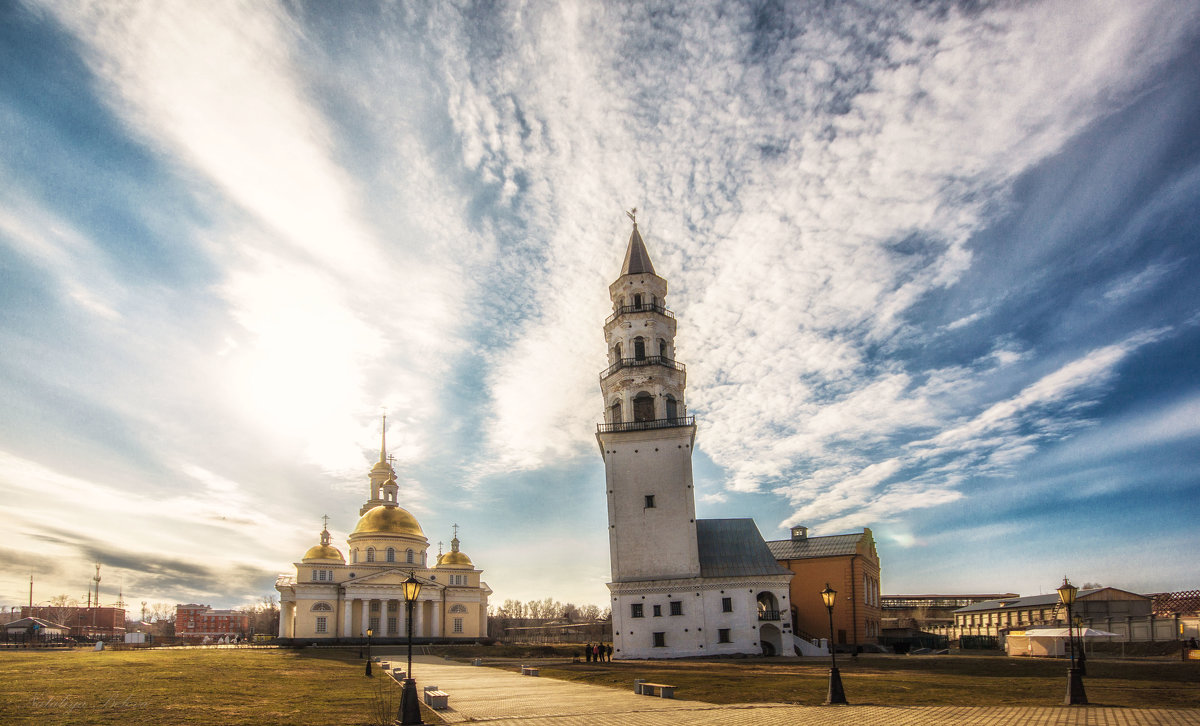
197 622
850 564
91 623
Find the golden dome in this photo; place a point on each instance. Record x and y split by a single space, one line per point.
455 559
386 519
323 552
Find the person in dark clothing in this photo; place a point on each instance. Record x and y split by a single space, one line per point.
609 653
587 652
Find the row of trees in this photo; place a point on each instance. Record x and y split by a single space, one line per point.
548 609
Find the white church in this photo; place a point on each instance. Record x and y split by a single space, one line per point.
680 586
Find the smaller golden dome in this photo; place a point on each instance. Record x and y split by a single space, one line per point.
386 519
324 552
455 559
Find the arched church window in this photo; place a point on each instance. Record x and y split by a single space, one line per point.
616 353
663 350
643 407
637 300
370 554
354 555
639 348
391 554
458 608
615 413
322 607
672 407
410 556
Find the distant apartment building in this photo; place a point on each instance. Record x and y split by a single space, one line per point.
197 622
90 623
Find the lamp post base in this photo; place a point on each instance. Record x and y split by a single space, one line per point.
410 707
837 696
1075 694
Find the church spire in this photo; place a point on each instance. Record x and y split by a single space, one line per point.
637 259
383 443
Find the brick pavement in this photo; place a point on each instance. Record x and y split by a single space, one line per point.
503 698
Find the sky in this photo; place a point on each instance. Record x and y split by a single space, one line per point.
935 267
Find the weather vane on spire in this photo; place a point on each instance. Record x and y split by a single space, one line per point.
632 214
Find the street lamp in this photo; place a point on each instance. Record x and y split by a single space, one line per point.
410 709
369 652
836 695
1075 694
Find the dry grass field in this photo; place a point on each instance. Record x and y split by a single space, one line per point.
192 686
906 680
321 686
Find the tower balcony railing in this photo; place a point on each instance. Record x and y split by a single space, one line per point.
769 615
655 423
644 308
650 360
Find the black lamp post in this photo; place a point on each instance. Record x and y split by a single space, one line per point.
1079 633
410 709
369 652
1075 694
836 696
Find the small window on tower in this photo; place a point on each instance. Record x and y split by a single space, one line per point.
391 554
672 407
370 554
637 300
410 556
649 501
639 348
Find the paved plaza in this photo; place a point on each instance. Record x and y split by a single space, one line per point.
495 696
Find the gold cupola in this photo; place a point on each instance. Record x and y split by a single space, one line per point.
387 519
454 558
324 552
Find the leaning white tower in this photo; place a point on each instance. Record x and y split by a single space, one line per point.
647 436
680 587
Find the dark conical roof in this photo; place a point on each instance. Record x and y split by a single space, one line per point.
637 259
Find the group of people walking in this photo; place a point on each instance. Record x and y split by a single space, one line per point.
598 653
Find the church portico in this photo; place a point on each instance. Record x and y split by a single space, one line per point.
331 599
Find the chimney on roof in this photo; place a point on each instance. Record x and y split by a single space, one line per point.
799 533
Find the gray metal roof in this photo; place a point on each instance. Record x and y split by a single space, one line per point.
637 259
1029 601
733 548
830 546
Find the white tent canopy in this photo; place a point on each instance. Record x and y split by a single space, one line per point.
1049 641
1064 633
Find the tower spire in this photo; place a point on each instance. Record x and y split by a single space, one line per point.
383 442
637 259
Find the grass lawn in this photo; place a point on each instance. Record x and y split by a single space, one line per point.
906 680
193 686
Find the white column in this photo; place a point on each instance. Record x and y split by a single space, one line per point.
347 617
366 618
402 619
287 612
419 615
436 621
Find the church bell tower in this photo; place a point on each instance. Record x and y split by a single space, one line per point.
647 437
